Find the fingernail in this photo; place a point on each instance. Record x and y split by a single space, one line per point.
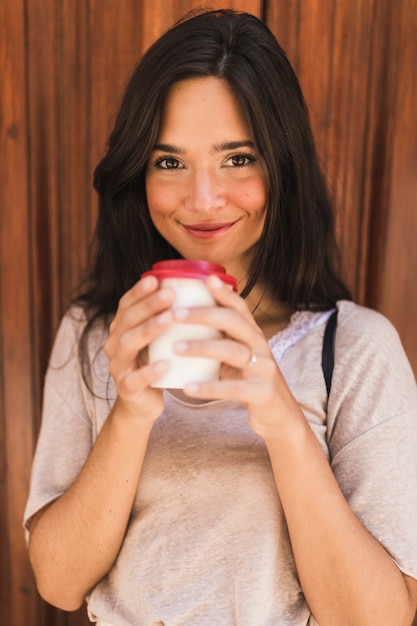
215 281
181 314
149 282
164 318
165 294
180 346
191 388
160 366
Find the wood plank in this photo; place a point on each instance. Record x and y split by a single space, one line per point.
73 122
56 213
20 605
43 196
397 297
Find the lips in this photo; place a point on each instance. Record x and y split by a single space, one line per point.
207 230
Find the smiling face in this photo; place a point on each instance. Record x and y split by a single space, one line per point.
206 186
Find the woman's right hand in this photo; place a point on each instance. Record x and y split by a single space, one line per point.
142 315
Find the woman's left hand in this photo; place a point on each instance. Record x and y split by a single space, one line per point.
249 373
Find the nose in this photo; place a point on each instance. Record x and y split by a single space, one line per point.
204 191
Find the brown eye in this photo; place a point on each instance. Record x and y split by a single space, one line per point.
240 160
167 163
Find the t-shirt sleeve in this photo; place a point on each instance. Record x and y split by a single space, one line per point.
65 437
372 432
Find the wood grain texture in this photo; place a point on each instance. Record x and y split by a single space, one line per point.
64 65
18 601
396 296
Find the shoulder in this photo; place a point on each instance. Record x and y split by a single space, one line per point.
361 322
366 335
73 325
371 366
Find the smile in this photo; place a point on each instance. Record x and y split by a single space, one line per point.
207 230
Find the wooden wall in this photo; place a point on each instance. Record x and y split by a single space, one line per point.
63 65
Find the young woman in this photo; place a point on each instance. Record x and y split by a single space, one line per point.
256 499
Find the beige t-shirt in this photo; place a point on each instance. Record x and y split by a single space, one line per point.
207 541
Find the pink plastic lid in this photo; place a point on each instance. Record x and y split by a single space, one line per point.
185 268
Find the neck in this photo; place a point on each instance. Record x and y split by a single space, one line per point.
270 314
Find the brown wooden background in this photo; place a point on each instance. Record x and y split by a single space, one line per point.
63 65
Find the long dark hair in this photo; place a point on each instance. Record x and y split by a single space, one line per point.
297 254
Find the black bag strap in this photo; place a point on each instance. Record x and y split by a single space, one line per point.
327 356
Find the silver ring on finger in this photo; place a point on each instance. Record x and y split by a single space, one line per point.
253 359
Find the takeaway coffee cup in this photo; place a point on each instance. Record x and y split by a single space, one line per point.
187 278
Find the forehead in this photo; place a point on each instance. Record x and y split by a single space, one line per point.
205 105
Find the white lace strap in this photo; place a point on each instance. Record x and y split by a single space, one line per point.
300 323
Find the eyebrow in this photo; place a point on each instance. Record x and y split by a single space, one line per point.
219 147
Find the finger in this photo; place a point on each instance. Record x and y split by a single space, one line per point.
137 338
141 288
139 311
139 379
226 297
232 353
134 339
225 319
256 392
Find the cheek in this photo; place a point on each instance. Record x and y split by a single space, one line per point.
159 202
253 197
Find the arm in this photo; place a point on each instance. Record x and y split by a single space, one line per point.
346 575
75 540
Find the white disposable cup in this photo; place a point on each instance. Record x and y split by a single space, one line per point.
190 291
